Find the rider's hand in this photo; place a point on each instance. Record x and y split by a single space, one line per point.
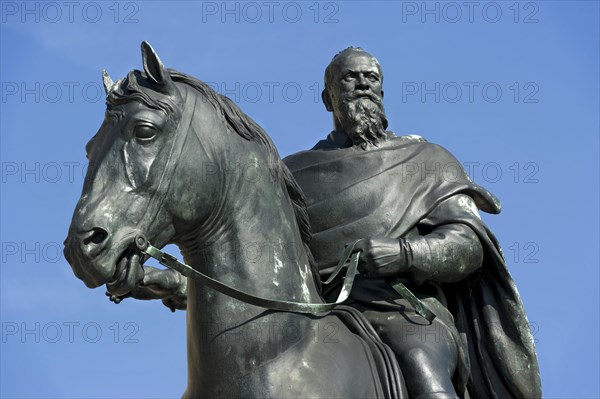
168 285
380 257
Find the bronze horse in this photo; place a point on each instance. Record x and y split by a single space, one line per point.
178 163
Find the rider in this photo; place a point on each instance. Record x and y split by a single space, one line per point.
415 212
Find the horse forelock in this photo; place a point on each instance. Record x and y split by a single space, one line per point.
130 89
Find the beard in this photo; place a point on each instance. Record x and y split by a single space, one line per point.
363 118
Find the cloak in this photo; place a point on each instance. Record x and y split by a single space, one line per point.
400 185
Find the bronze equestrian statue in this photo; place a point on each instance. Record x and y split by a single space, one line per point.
433 312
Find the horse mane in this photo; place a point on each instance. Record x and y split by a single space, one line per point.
246 128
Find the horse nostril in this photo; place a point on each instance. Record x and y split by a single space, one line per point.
95 236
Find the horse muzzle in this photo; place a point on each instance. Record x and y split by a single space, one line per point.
98 258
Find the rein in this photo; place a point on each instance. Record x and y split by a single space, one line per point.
171 262
285 306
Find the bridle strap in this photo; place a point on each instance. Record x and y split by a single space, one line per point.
181 132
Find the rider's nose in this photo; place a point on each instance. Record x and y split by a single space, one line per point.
361 83
93 241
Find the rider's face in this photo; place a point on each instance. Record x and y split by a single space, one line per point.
355 74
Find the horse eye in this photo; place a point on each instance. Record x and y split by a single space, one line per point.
144 132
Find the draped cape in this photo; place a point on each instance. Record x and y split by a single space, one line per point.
400 185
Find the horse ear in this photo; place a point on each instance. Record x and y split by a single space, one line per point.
154 68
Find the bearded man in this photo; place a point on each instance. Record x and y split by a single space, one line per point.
415 212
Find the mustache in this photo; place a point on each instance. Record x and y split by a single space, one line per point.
359 94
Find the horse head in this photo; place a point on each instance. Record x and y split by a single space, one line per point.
133 161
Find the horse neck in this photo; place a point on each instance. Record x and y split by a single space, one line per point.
252 242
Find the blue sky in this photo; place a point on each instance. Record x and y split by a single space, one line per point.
510 88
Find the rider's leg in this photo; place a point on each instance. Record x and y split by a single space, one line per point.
427 353
437 395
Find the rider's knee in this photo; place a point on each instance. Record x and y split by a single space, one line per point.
426 373
423 361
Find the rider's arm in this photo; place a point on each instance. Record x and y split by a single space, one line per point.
448 254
